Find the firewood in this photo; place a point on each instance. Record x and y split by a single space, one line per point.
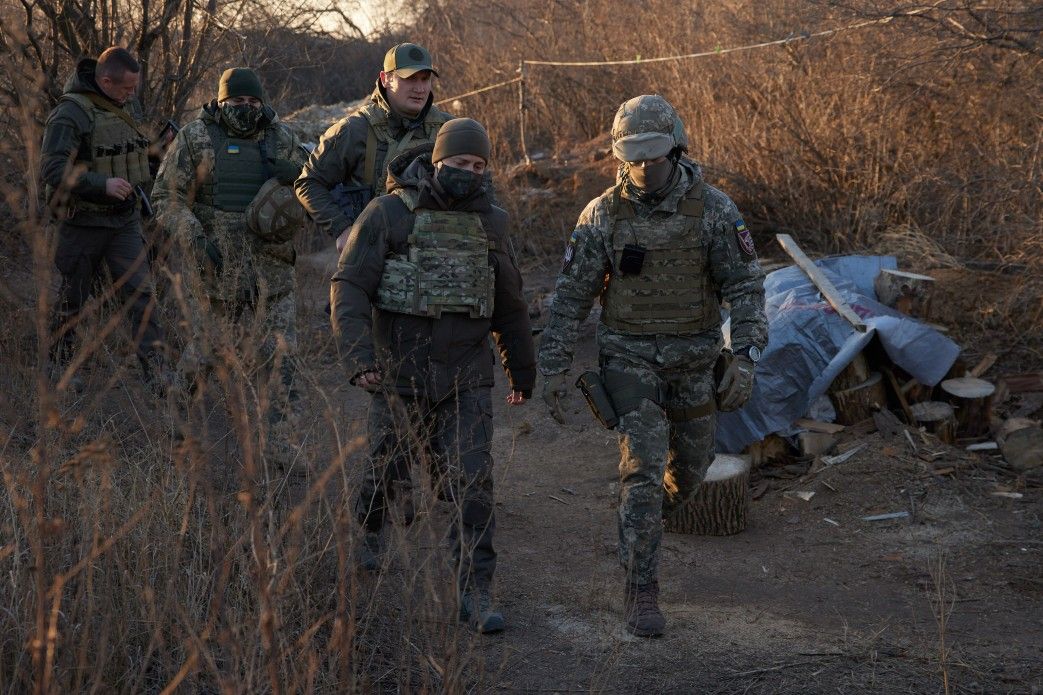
972 399
855 373
1021 441
719 507
859 402
937 418
909 293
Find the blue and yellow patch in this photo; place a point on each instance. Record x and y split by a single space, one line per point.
233 149
745 239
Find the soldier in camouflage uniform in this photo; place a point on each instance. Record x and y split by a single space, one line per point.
94 160
660 249
426 276
240 279
349 166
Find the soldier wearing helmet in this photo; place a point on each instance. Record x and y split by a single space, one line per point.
223 195
660 250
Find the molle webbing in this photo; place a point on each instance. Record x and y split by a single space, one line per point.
374 171
446 269
673 293
240 168
118 149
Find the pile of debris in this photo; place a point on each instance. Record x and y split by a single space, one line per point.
312 121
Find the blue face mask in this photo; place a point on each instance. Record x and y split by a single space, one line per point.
458 183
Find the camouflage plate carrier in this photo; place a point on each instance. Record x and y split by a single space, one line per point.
446 269
673 292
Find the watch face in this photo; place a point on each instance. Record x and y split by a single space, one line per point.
755 353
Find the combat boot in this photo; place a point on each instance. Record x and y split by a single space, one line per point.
476 609
641 603
368 558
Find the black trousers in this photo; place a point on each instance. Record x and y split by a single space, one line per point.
79 257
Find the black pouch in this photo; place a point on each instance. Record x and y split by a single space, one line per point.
632 259
351 200
724 360
593 389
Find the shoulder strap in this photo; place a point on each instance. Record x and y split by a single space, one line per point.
106 105
692 203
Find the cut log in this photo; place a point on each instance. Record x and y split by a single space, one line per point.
720 505
983 366
909 293
937 418
771 449
816 443
972 399
859 402
818 278
1024 383
1021 442
855 373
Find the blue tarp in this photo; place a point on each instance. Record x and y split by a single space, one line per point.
809 344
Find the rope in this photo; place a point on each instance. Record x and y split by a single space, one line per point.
478 91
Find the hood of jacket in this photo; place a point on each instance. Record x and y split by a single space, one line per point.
413 169
83 80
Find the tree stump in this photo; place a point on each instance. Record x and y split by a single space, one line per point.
859 402
937 418
972 399
1021 441
855 373
719 507
909 293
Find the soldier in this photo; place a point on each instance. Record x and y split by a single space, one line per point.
223 194
426 275
94 163
660 249
349 166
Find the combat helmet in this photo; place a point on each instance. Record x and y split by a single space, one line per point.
275 213
646 127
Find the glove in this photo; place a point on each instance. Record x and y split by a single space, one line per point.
736 384
206 251
555 392
285 170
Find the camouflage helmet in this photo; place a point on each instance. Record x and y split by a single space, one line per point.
275 213
646 127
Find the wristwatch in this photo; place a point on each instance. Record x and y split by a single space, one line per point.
751 352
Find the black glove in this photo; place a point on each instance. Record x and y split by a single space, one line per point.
285 170
206 251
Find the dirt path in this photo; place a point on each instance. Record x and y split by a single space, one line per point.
810 599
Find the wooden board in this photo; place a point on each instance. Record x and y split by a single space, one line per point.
720 505
818 278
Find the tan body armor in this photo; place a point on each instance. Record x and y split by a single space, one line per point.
446 269
118 149
379 131
673 293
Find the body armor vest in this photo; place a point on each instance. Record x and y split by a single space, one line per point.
117 148
673 292
375 169
445 270
240 169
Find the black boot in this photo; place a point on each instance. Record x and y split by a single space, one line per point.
641 604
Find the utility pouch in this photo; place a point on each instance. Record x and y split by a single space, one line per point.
351 200
632 259
600 403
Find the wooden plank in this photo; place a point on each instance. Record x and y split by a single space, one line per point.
899 394
984 365
818 278
816 426
1022 383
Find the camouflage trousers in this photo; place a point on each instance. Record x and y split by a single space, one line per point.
453 437
666 443
258 341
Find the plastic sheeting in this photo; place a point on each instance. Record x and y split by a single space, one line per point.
809 344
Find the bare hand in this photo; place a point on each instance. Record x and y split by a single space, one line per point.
369 381
342 240
515 398
118 188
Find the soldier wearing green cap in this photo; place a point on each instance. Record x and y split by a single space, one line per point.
660 250
348 168
426 276
223 194
94 164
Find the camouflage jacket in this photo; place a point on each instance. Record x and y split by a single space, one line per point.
340 157
67 143
419 355
249 264
735 273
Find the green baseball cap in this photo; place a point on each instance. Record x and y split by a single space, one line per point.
407 59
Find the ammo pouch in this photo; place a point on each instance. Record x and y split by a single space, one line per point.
593 389
351 200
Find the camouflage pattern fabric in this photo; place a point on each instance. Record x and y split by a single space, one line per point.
662 461
454 437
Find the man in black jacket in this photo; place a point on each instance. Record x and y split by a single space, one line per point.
433 259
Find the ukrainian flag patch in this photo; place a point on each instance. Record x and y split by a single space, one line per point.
745 239
233 149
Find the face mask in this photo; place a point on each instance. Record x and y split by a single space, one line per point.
652 177
458 183
241 119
